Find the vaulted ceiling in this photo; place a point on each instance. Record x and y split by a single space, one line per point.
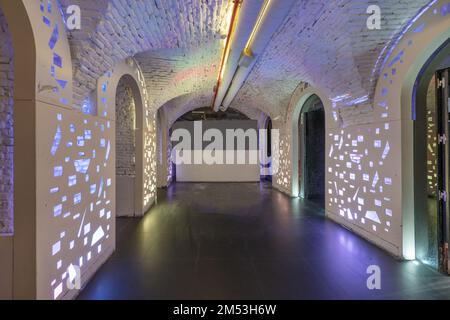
179 43
173 39
328 45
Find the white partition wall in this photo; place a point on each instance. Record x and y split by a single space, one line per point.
75 195
64 170
219 172
211 158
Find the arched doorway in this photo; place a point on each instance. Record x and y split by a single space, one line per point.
311 157
128 148
159 149
431 159
266 149
163 145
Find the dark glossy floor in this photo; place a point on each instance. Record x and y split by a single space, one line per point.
247 241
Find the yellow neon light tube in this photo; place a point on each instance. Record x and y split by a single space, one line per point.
232 18
255 30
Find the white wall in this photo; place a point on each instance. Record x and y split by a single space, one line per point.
65 164
6 268
219 172
369 176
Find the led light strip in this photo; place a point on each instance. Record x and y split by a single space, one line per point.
255 30
232 18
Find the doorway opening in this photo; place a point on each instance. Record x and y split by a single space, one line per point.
311 131
266 148
431 160
125 148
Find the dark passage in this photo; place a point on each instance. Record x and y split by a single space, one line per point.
315 156
247 241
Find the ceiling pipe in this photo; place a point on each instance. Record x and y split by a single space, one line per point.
232 16
270 17
245 22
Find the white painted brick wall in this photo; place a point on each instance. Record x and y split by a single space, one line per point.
6 129
177 44
116 29
125 135
327 44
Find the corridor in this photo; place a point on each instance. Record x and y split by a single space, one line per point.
248 241
224 149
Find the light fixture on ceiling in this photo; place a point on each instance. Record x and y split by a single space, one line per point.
251 39
231 19
245 62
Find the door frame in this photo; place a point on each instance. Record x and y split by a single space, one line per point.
302 133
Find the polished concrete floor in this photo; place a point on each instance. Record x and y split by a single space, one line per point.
247 241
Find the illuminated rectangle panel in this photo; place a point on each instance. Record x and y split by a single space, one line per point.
61 180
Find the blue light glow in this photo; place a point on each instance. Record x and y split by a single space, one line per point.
57 210
86 107
62 83
56 141
46 21
77 198
57 60
82 165
54 38
80 141
108 149
72 180
58 171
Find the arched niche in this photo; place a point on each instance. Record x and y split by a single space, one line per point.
394 106
430 174
266 140
129 152
311 155
145 130
302 94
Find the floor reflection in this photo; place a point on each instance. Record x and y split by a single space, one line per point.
247 241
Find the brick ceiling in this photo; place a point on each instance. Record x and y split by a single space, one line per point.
178 44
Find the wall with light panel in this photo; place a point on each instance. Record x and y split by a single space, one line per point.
369 167
65 165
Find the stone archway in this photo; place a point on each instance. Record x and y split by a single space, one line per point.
311 155
129 73
129 170
300 98
430 156
394 106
